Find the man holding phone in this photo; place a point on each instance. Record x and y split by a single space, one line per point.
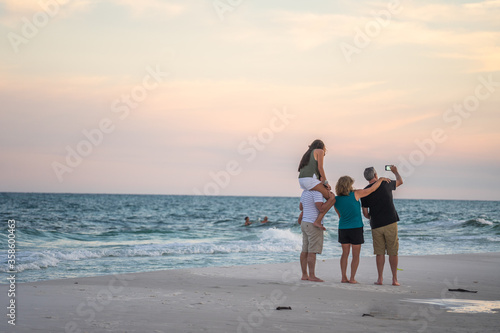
379 208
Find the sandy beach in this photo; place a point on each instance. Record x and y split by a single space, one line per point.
245 298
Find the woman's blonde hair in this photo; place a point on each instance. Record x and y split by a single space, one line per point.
344 185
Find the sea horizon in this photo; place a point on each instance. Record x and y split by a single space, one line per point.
69 235
226 195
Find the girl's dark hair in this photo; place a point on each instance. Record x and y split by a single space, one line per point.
317 144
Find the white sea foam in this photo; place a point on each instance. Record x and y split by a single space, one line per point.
76 254
277 235
483 221
271 241
36 261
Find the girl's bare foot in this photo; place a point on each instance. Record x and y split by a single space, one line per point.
352 281
344 281
395 283
315 279
305 277
319 225
378 283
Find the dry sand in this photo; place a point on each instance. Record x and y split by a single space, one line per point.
244 299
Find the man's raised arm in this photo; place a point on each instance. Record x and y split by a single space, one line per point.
399 180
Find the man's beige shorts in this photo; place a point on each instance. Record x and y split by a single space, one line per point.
312 238
386 239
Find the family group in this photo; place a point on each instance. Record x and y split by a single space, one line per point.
375 202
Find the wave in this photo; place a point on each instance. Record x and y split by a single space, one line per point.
138 232
269 241
478 222
222 221
84 234
274 234
32 232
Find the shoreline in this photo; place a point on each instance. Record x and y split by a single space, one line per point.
244 299
243 265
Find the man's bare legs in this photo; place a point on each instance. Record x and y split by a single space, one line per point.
380 259
303 265
311 263
393 261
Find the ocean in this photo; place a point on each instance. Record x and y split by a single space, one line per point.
75 235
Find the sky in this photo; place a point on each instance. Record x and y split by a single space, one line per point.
223 97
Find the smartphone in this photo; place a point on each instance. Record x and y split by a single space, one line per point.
388 167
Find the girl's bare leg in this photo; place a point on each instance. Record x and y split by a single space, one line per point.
326 194
322 189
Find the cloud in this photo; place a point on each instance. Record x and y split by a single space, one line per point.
484 4
15 11
310 30
467 31
17 6
147 7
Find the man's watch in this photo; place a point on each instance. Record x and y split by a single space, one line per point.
325 182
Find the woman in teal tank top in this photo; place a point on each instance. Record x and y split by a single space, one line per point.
348 208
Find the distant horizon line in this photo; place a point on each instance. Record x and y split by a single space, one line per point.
221 195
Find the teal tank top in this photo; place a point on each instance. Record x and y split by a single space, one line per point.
350 211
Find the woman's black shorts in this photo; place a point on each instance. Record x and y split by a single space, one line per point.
351 236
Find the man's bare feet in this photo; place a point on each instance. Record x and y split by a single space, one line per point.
344 281
305 278
395 283
378 283
352 281
319 225
315 279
